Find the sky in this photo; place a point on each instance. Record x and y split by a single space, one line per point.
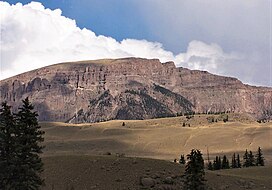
230 38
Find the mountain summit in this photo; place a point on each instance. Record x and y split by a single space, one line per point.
130 88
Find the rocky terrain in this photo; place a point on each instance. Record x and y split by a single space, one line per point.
130 88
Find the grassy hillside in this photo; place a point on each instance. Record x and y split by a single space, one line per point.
78 155
159 138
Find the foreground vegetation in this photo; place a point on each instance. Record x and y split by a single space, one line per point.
20 138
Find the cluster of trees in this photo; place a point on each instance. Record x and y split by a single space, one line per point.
190 113
223 118
211 119
251 160
248 160
194 168
266 116
235 161
20 138
219 113
262 120
219 163
184 124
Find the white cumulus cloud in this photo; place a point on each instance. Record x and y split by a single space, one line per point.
210 57
33 36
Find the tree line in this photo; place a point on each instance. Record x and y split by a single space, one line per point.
194 167
249 160
20 138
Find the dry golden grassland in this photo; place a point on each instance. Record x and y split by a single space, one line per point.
158 138
77 155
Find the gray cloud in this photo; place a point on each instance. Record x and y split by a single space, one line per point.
240 26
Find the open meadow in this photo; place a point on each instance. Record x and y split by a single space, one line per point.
117 154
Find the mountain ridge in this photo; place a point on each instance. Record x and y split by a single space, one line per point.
131 88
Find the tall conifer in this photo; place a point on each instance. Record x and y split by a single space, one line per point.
7 166
246 159
259 158
194 171
251 159
238 161
28 139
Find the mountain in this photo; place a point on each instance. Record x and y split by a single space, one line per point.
130 88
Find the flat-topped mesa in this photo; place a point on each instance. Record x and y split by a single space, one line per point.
130 88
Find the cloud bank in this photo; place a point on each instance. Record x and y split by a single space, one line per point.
33 36
239 26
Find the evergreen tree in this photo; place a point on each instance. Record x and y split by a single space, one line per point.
7 126
225 162
182 159
219 163
233 161
251 159
246 160
238 161
259 158
210 166
214 165
28 139
194 171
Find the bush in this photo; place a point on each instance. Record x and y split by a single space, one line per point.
210 119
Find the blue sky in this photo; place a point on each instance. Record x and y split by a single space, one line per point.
119 19
223 37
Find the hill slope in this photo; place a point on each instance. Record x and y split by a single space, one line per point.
159 138
130 88
110 172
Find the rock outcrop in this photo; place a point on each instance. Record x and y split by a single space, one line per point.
130 88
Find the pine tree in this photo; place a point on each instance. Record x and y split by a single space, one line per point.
246 160
251 159
194 171
28 139
225 162
219 163
259 158
7 126
210 166
182 159
233 161
214 165
238 161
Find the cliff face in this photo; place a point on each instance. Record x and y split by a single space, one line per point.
130 88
